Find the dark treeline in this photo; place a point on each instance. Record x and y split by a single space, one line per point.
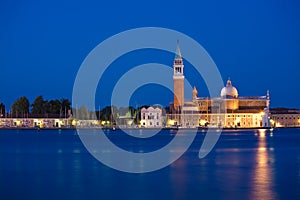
108 113
41 107
21 107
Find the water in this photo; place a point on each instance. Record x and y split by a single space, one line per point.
248 164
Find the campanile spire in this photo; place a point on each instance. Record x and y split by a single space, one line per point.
178 78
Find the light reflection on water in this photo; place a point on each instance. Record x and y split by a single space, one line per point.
263 180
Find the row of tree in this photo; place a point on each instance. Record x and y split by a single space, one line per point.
108 113
21 106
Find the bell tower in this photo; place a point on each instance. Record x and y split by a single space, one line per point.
178 78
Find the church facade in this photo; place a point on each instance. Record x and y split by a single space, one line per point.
229 110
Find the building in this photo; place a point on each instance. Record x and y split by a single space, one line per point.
35 122
151 117
228 110
283 117
178 79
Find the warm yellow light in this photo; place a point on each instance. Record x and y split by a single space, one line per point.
237 120
202 122
129 122
171 122
105 123
18 123
272 122
262 149
262 132
262 113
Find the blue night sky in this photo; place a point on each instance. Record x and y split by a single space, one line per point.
255 43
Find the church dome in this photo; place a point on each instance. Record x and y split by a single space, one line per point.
229 91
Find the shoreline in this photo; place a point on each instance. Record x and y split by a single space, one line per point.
164 128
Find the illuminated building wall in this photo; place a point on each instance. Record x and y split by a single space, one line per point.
285 120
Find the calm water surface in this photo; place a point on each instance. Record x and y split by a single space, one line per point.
248 164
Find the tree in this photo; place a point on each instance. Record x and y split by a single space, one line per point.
20 106
166 110
65 104
83 113
54 107
39 106
2 110
108 113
